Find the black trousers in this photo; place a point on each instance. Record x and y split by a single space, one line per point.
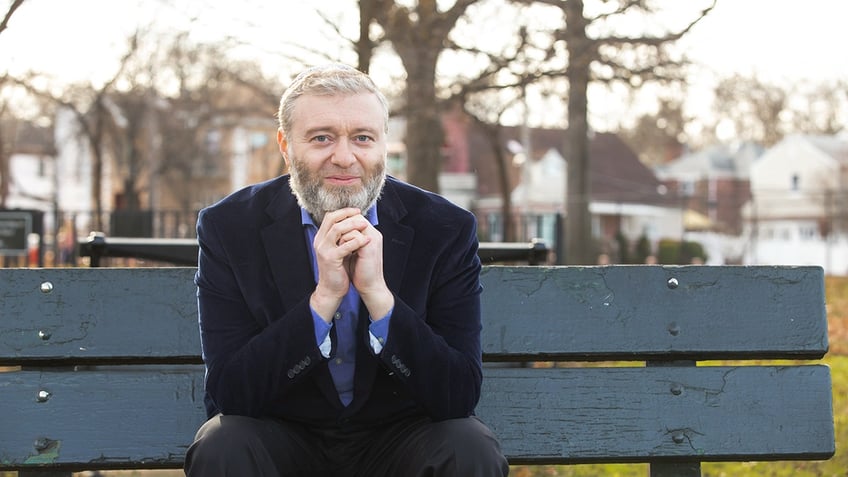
414 447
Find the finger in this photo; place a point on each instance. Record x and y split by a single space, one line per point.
340 215
352 241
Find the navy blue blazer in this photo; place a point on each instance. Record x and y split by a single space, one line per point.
254 280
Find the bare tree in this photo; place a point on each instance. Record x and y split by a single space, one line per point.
210 95
753 108
603 57
418 34
658 137
823 108
765 112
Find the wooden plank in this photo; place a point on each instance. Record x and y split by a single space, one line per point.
579 415
558 415
536 313
100 419
663 312
87 314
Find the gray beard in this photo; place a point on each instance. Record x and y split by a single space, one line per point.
318 200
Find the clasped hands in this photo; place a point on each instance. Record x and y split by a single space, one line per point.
349 250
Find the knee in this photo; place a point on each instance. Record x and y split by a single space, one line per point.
475 449
220 439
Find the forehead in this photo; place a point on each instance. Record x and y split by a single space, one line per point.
358 111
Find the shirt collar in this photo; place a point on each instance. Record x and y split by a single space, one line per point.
370 214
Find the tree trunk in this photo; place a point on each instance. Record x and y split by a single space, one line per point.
5 158
364 47
424 134
578 223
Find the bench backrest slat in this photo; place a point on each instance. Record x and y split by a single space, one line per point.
669 312
546 313
86 314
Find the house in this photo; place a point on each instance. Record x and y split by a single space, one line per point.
798 212
179 161
31 181
712 185
29 185
626 196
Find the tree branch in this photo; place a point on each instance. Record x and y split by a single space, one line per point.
14 6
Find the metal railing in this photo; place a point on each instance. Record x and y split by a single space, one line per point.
98 246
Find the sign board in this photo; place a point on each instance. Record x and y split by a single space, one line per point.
15 227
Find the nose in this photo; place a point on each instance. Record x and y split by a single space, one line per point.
343 154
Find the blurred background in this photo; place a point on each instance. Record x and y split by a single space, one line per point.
617 132
670 132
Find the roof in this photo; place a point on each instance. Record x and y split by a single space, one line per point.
615 171
732 161
834 146
28 138
617 174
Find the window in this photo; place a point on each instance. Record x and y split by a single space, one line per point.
796 182
686 188
807 232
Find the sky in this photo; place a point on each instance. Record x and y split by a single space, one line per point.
780 41
777 39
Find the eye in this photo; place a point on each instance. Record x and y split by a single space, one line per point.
321 138
362 138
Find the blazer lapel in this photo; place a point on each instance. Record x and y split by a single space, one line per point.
285 249
397 237
290 264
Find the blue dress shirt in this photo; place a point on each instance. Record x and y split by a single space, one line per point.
343 363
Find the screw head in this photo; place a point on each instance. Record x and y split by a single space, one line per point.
40 444
673 329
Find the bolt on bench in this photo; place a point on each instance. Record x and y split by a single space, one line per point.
106 375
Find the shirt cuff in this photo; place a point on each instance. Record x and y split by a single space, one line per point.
379 331
322 334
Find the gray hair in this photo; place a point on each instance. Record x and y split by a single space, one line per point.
328 80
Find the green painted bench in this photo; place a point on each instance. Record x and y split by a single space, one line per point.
102 366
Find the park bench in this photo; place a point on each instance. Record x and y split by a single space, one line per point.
582 365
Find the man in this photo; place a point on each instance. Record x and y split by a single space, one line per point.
339 309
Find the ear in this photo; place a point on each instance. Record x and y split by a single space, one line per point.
283 144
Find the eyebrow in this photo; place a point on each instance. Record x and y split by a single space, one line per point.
359 130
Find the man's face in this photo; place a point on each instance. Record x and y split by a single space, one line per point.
336 152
